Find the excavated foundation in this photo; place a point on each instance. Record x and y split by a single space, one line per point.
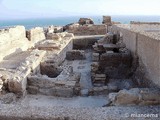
69 75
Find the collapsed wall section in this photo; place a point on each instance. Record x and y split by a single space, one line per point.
13 40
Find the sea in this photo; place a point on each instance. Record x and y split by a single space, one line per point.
61 21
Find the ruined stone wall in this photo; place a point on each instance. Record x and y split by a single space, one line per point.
87 29
67 47
147 48
17 81
36 34
81 42
145 26
13 40
129 38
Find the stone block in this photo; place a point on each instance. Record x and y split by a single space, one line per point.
107 39
125 97
99 91
40 82
137 96
32 90
36 34
64 92
75 55
100 76
60 83
149 94
95 57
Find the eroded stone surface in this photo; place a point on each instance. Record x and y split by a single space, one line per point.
137 96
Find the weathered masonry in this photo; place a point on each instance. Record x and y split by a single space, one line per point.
143 40
67 71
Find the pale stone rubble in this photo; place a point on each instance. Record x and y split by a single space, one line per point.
13 40
136 96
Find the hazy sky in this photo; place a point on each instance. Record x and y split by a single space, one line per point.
53 8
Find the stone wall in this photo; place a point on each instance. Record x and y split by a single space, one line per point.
82 42
87 29
115 65
147 48
36 34
145 26
129 38
17 81
13 40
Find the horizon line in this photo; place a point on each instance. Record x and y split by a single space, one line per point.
71 16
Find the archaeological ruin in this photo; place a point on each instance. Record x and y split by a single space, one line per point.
81 71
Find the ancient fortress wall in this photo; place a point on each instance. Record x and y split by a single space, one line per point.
145 26
13 40
147 48
129 38
87 29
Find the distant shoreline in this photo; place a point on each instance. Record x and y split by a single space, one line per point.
61 21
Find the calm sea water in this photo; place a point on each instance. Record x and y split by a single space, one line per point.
30 23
